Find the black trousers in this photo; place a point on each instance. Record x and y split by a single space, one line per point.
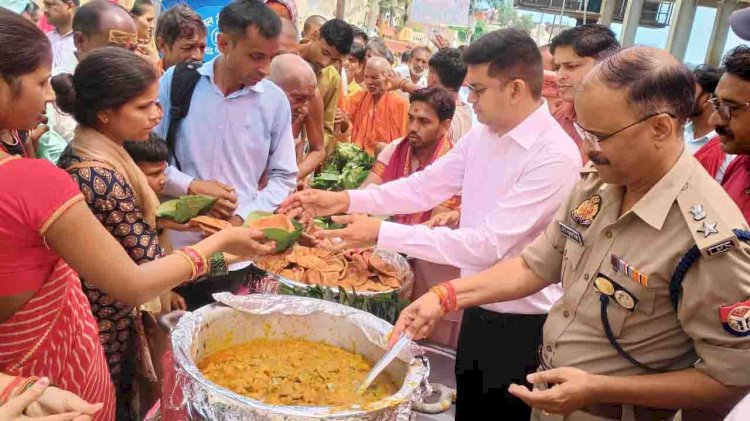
198 294
494 351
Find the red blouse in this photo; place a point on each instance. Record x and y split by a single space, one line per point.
33 194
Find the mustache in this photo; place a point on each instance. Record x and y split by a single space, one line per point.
597 158
724 131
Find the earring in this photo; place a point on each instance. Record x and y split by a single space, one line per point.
105 120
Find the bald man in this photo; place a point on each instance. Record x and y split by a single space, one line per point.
298 81
311 28
376 115
101 23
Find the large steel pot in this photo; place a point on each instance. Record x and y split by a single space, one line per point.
243 318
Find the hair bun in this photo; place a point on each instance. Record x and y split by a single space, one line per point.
65 92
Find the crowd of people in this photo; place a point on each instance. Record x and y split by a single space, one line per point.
576 213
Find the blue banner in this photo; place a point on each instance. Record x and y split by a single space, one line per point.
209 12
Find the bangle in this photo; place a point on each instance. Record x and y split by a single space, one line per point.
442 294
5 395
452 301
189 260
198 263
218 265
201 263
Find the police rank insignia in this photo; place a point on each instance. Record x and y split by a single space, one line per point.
619 265
708 228
736 318
698 213
585 213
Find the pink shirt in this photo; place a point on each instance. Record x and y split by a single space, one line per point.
511 186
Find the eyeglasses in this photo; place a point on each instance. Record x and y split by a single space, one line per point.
595 138
725 109
478 91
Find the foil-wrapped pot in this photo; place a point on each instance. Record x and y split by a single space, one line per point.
244 318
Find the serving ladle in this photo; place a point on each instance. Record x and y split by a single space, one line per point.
383 363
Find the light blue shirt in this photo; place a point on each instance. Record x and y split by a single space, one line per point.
232 139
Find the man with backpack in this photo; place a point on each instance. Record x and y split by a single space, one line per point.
225 122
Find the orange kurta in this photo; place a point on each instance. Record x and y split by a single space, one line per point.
373 123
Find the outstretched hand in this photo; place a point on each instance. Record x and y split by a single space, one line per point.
418 319
571 389
360 231
309 203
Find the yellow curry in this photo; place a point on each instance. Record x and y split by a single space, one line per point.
295 372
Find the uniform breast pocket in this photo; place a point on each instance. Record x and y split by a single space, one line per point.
629 305
572 256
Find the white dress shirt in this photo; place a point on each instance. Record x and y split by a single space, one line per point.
232 139
63 52
510 186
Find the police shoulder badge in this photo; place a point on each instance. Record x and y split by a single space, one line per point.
585 213
736 318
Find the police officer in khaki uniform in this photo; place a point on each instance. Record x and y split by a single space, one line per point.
651 254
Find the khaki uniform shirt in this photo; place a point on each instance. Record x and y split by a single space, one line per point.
650 239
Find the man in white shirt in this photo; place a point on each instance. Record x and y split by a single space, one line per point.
697 130
60 14
416 69
238 126
512 172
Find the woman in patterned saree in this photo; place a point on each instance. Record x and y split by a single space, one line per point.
113 97
48 235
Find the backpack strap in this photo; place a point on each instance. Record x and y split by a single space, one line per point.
184 79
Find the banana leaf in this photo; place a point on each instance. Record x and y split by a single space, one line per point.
183 208
283 238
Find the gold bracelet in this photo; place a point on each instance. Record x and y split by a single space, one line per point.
190 262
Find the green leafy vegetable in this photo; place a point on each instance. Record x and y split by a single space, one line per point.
387 306
347 168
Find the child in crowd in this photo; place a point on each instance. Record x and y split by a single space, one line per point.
151 158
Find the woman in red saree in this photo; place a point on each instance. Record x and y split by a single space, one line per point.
47 237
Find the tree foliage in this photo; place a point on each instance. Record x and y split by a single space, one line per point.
503 14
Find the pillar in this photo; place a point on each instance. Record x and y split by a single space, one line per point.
720 31
341 9
683 16
630 22
607 12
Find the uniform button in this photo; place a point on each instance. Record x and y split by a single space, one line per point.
608 234
549 348
586 277
566 314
